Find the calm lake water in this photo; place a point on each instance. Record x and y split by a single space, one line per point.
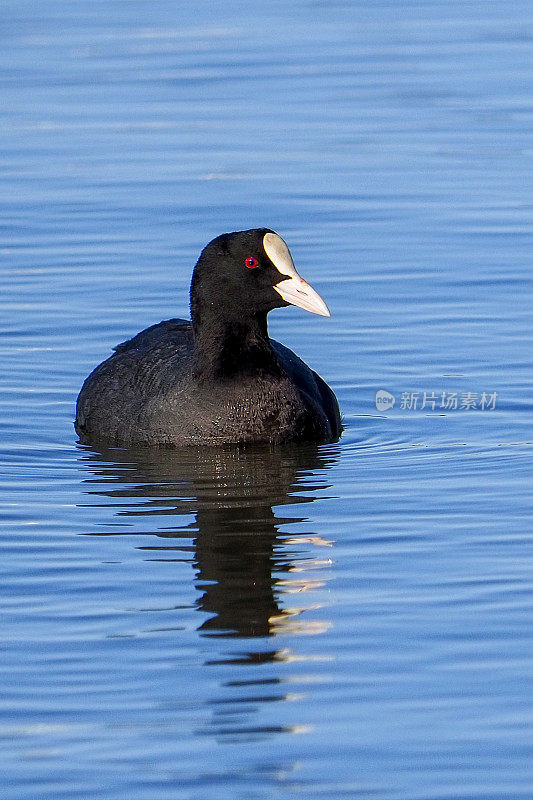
343 621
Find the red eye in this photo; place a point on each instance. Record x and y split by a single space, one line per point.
251 262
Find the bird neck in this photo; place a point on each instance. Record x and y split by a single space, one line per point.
229 347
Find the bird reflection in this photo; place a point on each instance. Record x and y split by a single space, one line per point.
230 499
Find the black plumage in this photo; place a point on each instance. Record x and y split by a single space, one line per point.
220 378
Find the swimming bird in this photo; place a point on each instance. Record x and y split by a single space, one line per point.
218 379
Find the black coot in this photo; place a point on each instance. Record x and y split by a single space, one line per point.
220 378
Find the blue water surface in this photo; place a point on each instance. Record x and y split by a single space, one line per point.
343 621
